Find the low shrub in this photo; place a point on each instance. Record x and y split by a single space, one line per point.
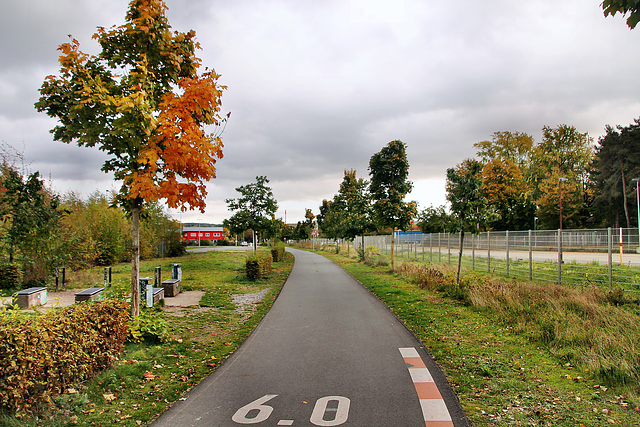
374 259
258 266
149 326
304 245
176 248
45 354
437 278
431 278
277 252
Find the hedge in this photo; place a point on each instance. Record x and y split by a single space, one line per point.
44 355
259 265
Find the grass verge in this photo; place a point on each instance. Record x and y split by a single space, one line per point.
150 376
500 370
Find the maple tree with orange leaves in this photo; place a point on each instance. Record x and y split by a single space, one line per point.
143 101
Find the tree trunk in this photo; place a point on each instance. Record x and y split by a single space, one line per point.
624 195
135 260
460 257
255 242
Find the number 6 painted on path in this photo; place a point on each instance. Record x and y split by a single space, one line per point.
265 411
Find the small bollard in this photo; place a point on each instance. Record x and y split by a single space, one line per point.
176 273
149 296
157 277
107 277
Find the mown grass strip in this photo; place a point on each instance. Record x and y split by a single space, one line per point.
501 375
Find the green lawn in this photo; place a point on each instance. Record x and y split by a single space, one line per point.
150 376
501 375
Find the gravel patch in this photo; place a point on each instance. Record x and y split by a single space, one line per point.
248 300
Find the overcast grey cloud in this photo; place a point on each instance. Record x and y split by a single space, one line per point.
316 87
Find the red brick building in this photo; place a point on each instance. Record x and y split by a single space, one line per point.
196 234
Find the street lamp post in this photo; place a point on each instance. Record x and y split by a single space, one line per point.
637 181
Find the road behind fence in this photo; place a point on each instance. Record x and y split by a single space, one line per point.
602 257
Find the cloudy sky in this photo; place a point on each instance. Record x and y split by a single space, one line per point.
319 86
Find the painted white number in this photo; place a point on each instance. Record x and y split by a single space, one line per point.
336 404
341 410
264 411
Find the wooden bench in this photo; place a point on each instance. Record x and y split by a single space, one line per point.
31 297
171 287
158 294
91 294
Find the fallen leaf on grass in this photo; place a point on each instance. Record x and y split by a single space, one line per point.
108 397
149 376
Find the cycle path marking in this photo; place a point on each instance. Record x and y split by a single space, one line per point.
328 353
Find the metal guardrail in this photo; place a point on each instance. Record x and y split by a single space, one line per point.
600 257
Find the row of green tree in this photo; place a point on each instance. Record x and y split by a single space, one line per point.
358 208
362 206
517 184
513 184
41 230
255 209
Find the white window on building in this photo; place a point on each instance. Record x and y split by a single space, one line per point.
207 234
193 234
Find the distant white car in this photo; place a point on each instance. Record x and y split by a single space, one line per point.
245 244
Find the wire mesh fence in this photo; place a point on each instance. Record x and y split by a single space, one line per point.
601 257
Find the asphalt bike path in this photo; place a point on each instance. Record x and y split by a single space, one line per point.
328 353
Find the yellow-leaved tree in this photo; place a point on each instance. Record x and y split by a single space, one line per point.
143 101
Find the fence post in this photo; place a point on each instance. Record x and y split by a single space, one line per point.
621 262
449 248
431 247
473 253
439 248
507 249
559 239
610 256
488 252
530 259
